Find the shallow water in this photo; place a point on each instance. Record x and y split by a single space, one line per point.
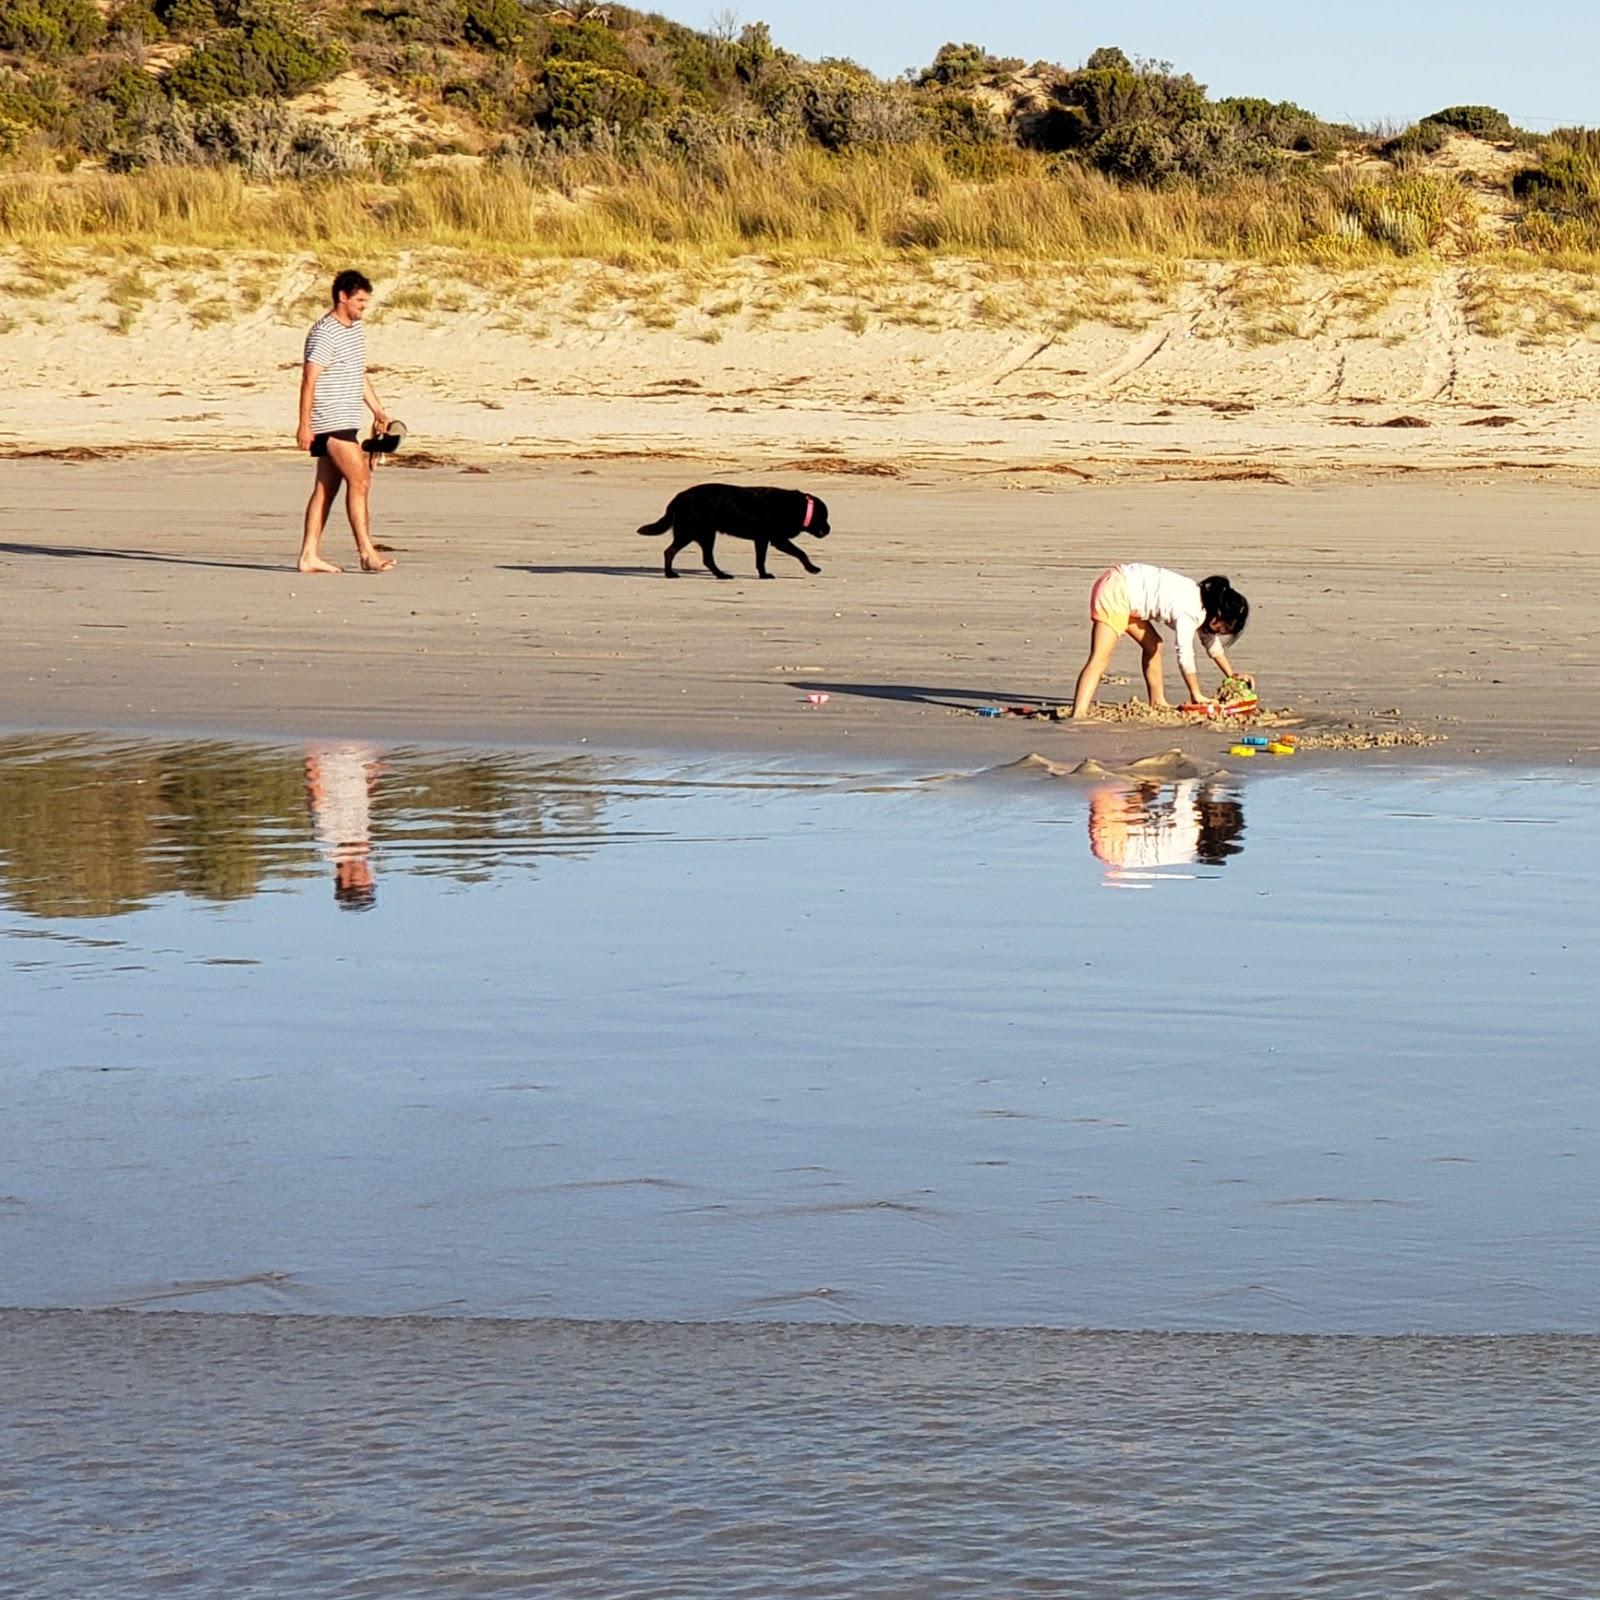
619 1039
265 1457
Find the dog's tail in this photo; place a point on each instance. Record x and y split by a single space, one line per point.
663 522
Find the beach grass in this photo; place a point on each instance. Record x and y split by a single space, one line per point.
803 204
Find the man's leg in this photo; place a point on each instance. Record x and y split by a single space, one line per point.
323 491
351 461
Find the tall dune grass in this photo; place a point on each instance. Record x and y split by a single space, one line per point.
736 202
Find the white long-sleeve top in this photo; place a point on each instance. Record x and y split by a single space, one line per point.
1160 595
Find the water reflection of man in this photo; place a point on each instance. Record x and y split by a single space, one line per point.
339 783
1136 832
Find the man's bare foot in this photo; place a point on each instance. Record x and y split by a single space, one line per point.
376 562
317 564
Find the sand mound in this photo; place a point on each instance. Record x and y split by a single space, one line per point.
1167 767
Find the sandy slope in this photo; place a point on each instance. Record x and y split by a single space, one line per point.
1195 371
156 593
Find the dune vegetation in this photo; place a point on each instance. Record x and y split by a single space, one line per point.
525 128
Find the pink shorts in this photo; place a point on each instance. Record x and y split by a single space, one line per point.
1108 600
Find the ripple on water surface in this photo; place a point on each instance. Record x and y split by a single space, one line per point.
463 1458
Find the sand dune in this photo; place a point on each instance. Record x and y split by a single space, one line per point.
1200 371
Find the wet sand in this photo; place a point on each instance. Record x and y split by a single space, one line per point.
156 593
442 1459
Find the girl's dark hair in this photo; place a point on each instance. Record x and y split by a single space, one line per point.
1224 604
1221 820
350 282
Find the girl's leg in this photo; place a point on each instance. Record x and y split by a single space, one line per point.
1149 643
1101 643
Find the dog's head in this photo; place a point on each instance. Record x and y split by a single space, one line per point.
815 518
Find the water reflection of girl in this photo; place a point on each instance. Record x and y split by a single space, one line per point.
339 782
1135 832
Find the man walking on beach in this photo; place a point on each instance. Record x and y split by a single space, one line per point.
333 388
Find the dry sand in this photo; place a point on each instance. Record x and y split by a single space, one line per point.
157 593
1183 370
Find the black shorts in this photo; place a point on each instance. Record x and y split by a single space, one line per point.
319 445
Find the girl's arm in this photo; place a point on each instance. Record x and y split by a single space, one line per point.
1220 656
1187 631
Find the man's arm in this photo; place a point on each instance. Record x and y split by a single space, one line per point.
308 393
374 404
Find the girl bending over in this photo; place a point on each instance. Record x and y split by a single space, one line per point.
1132 599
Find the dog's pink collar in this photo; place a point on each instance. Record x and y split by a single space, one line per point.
805 521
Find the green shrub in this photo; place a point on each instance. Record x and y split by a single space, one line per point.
127 89
264 140
958 121
1410 214
1582 141
955 64
840 105
187 18
136 19
48 27
255 62
591 42
1566 182
702 69
578 93
1432 134
1482 122
1136 152
1424 138
1213 150
34 100
1546 235
1279 122
1094 101
1108 59
754 53
494 24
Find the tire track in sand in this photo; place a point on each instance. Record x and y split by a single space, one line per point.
1444 332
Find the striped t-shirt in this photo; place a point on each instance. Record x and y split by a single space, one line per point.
341 352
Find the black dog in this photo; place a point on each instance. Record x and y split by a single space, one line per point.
772 517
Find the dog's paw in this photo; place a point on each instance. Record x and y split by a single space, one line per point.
672 574
765 575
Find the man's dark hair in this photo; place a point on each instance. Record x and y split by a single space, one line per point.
350 282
